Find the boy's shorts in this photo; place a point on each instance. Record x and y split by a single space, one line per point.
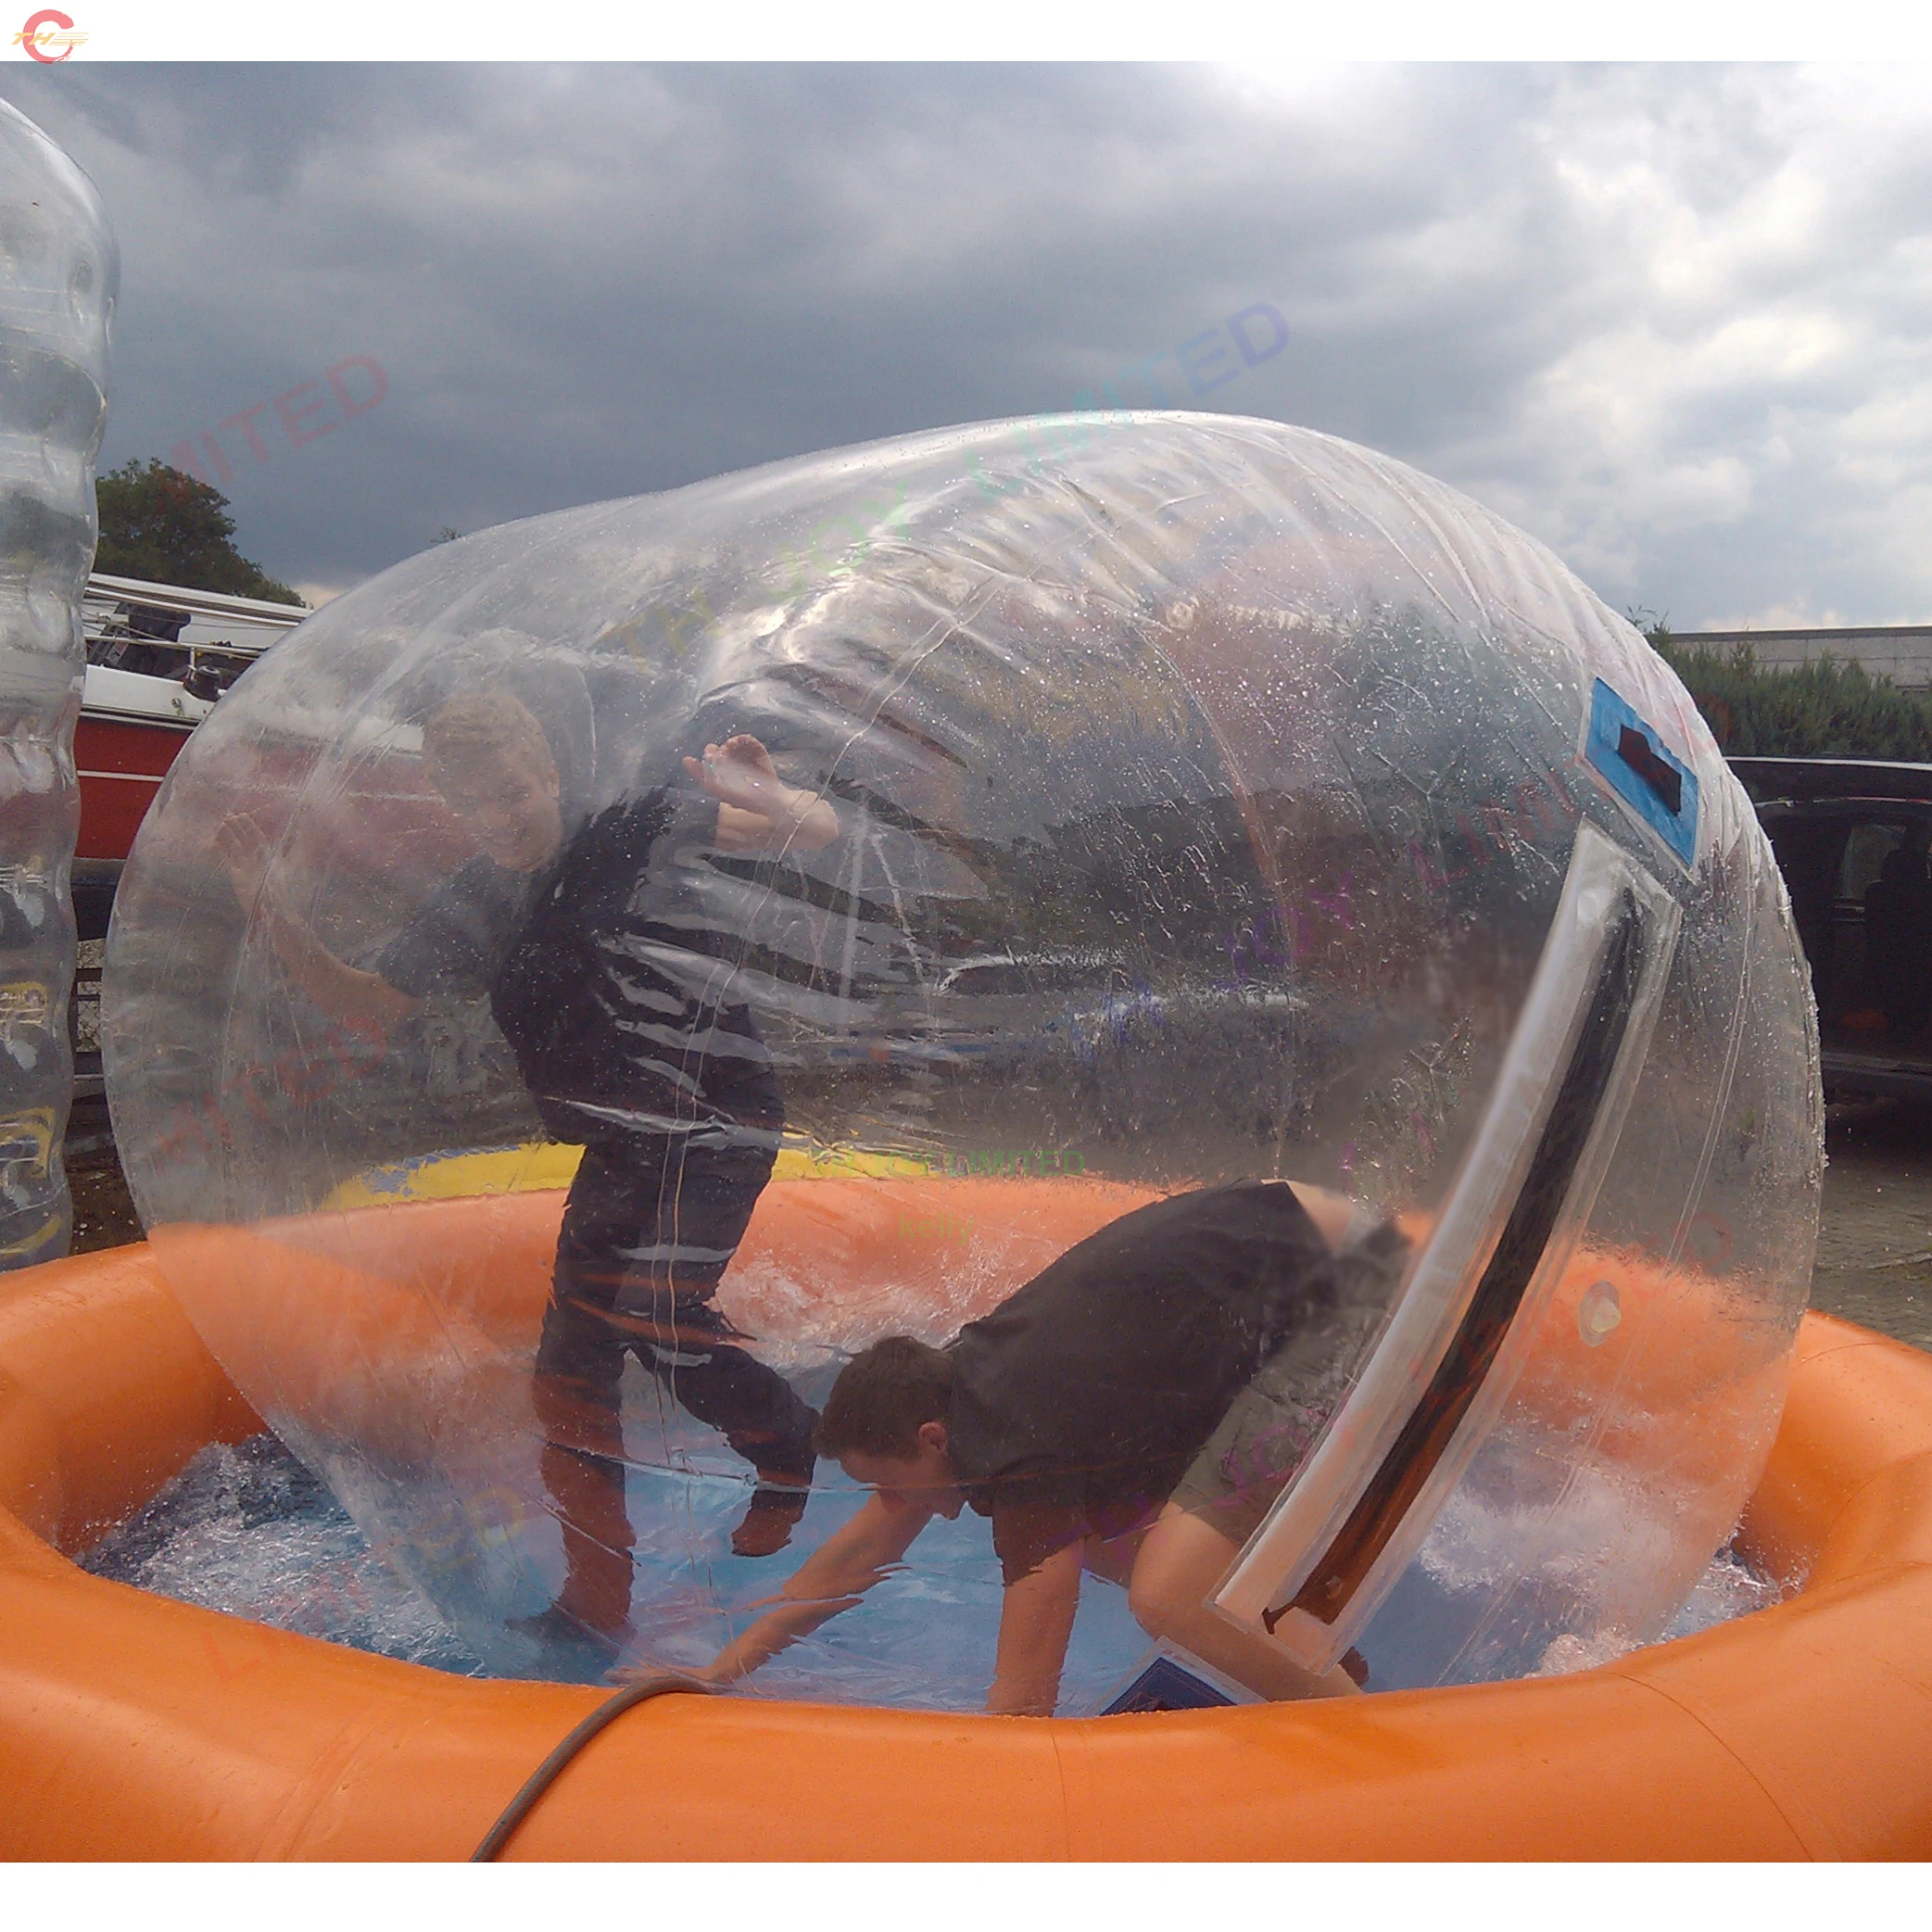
1272 1424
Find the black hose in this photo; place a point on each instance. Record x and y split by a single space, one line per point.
545 1776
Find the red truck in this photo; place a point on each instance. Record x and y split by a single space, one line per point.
159 658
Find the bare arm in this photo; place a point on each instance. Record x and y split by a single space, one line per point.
340 990
1331 1212
833 1578
1036 1619
757 811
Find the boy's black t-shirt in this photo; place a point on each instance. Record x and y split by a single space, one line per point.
1079 1402
604 975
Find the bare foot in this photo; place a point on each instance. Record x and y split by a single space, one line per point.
775 1506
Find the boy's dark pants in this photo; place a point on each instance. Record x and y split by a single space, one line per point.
650 1222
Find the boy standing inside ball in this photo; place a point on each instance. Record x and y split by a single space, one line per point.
617 1000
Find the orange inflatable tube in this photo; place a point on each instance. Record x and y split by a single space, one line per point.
134 1727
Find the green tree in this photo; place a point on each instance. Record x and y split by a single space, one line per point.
167 527
1830 708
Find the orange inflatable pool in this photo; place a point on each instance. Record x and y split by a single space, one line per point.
135 1727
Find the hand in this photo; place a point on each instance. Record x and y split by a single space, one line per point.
242 848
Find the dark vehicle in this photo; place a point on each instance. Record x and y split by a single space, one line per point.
1852 839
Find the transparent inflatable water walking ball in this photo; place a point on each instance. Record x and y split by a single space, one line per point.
59 276
597 979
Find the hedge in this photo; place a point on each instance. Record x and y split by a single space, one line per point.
1830 708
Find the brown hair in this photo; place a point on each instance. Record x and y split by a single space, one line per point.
482 729
883 1394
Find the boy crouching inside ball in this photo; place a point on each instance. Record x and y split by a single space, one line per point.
1133 1411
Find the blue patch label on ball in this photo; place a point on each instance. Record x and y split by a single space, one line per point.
1165 1685
1643 771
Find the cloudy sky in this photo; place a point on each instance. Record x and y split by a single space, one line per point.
1676 321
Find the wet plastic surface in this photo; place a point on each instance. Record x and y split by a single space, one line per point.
60 274
1205 792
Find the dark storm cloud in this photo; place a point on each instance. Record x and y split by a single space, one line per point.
1676 321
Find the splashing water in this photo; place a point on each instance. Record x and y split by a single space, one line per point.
1729 1588
250 1531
